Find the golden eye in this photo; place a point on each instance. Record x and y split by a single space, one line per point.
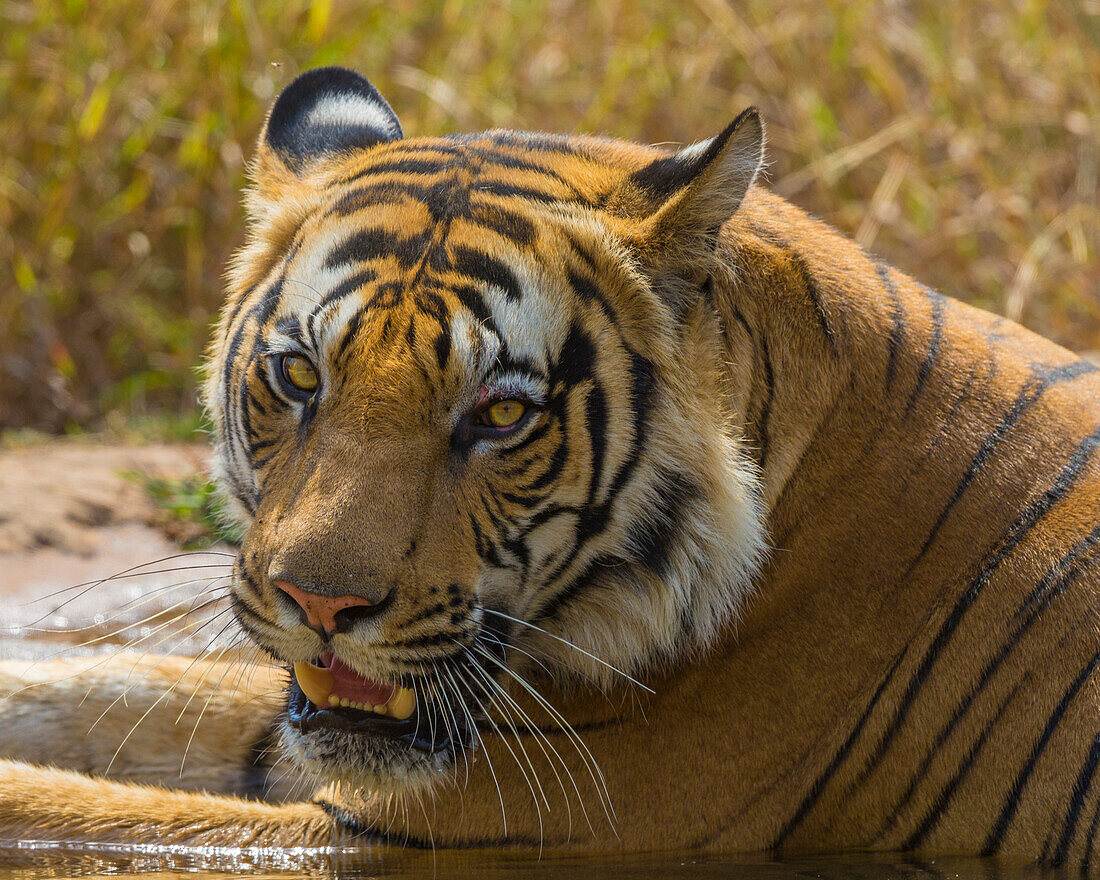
299 372
505 413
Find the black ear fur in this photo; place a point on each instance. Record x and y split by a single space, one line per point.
326 111
730 160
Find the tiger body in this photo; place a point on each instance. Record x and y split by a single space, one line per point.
827 539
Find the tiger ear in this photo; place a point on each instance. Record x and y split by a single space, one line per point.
326 112
678 203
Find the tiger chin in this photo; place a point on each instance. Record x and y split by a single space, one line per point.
599 498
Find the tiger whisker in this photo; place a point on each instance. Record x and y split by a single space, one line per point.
453 732
122 575
206 657
206 705
144 599
488 760
248 666
163 696
543 743
515 733
586 756
197 625
450 723
504 739
532 727
588 654
114 633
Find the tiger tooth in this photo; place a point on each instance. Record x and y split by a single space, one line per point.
401 704
315 681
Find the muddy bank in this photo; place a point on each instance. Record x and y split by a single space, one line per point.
69 516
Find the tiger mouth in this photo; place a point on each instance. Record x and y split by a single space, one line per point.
326 694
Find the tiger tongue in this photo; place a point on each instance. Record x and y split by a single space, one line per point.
350 685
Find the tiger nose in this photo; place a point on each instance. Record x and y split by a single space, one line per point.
330 614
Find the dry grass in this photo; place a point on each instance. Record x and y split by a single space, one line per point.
959 140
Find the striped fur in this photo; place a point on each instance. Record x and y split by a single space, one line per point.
911 667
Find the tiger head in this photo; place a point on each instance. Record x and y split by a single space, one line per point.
468 404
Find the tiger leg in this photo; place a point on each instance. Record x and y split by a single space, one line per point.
43 803
154 719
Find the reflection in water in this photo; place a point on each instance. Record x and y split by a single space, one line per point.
31 861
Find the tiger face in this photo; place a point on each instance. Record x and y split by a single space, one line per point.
467 395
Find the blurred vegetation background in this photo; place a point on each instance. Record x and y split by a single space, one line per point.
958 140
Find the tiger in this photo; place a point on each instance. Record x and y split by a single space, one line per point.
595 497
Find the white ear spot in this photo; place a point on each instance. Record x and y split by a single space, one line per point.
349 109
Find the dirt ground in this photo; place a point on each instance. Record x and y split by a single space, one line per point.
69 517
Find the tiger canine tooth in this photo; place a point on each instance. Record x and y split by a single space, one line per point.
315 682
401 705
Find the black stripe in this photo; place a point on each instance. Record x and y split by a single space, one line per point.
340 291
536 142
1012 802
553 468
653 539
943 800
1066 373
483 546
474 302
507 224
498 188
1090 838
769 395
595 419
823 779
576 362
349 334
585 289
479 265
810 283
594 519
289 325
897 328
1080 791
1067 570
385 193
517 163
408 165
1061 575
350 824
375 244
932 353
1028 396
1012 537
583 253
442 346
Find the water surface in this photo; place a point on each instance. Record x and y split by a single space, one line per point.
38 861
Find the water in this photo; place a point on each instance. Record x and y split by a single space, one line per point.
31 862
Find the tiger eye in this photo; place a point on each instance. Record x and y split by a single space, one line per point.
300 373
505 413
